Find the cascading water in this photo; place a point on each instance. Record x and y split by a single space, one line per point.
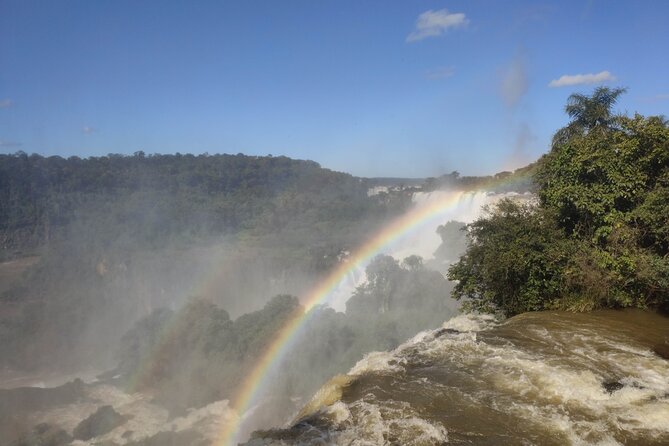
547 378
423 239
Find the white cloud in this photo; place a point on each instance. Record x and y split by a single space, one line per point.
661 97
434 23
579 79
6 103
440 73
515 82
9 144
88 130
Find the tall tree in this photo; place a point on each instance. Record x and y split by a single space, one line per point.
589 112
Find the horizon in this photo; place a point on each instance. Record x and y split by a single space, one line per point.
405 90
149 155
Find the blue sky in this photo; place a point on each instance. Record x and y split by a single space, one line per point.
375 88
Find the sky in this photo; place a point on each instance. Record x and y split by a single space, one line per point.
373 88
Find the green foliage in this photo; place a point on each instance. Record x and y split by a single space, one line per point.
198 355
518 181
597 180
514 260
407 297
147 200
598 236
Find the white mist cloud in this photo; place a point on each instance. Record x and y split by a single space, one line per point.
88 130
525 142
515 81
440 73
580 79
434 23
6 103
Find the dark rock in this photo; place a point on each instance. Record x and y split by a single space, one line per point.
102 421
445 331
612 386
662 350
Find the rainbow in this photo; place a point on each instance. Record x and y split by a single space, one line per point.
256 380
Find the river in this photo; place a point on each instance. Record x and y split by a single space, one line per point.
548 378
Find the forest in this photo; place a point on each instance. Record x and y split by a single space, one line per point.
118 236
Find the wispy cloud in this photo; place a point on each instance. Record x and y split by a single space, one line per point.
9 144
580 79
440 73
515 81
88 130
6 103
434 23
661 97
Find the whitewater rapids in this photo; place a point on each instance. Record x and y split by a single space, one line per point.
547 378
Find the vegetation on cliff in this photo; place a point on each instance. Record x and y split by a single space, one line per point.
598 236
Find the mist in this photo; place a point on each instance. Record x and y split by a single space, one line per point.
133 289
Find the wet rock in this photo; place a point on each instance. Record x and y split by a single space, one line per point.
612 386
102 421
662 350
444 331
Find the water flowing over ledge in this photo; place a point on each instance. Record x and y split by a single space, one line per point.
547 378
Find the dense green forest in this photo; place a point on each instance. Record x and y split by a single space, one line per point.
117 236
598 236
145 201
150 199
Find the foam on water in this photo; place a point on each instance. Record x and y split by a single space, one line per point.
547 379
378 362
470 322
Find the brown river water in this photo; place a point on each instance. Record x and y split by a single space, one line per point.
547 378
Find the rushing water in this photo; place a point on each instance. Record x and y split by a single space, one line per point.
547 378
423 239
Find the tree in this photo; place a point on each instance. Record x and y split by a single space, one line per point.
514 262
412 263
589 112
